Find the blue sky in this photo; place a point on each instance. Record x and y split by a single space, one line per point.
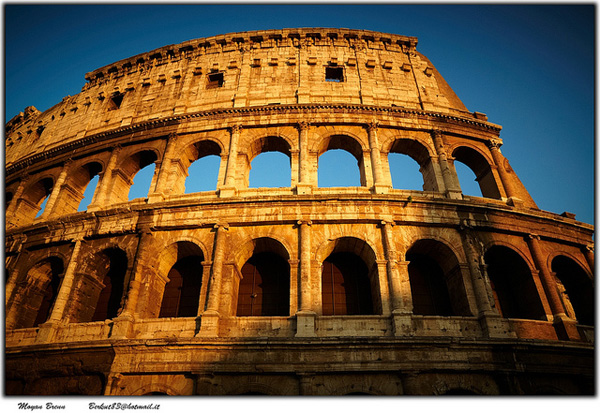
529 68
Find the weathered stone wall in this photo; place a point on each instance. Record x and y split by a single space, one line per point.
495 255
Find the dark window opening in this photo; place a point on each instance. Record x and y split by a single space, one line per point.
428 287
265 287
514 290
575 290
182 292
109 301
346 289
115 101
215 80
49 293
334 74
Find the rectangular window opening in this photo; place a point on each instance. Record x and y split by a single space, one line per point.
334 74
215 80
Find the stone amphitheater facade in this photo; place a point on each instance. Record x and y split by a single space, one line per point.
301 290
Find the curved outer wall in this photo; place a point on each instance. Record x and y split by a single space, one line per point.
516 279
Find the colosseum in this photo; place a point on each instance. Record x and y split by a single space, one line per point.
299 290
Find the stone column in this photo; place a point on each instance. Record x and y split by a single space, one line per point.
210 319
105 181
229 189
164 171
47 330
394 281
449 177
506 179
378 179
123 324
48 211
206 266
66 286
304 185
305 317
491 322
565 326
294 265
548 282
15 200
588 251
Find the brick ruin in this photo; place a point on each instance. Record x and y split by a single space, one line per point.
301 290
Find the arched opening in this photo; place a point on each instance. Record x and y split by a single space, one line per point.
269 163
204 161
264 287
467 179
436 282
575 289
331 163
78 190
481 168
341 153
403 155
83 182
405 172
515 293
141 182
35 300
345 285
33 201
356 261
203 174
270 170
112 270
137 169
178 286
88 195
182 292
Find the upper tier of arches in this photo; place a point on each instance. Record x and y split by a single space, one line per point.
60 189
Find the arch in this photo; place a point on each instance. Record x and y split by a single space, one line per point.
196 155
575 288
349 278
101 286
32 200
181 293
348 144
264 287
271 143
481 167
36 297
72 192
110 300
260 146
124 175
436 281
513 287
